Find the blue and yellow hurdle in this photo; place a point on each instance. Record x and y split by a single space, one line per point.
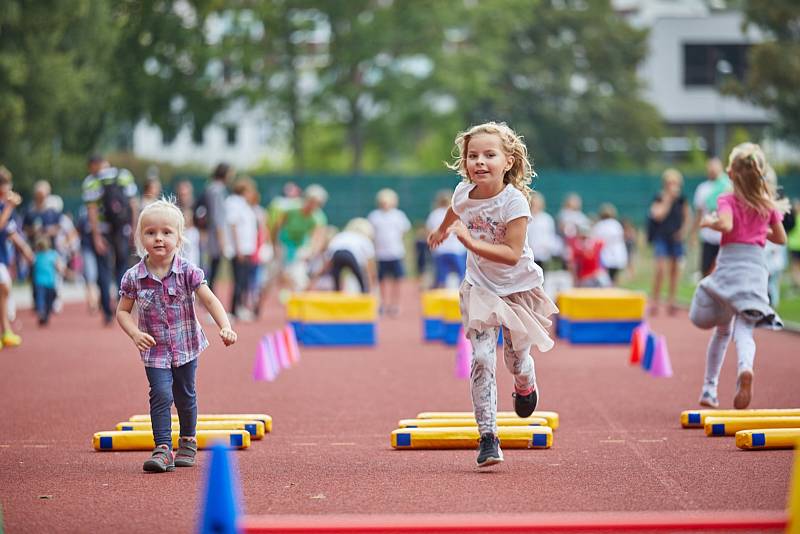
511 437
330 318
697 418
552 418
729 426
599 315
768 438
254 428
264 418
142 440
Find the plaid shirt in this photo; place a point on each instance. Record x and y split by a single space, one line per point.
166 312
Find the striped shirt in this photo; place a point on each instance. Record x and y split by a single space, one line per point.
166 312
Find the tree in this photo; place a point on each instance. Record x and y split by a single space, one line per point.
773 74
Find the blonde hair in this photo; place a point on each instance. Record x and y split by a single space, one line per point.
361 226
607 211
672 174
747 168
387 197
521 172
163 206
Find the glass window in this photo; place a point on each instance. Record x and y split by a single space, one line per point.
704 64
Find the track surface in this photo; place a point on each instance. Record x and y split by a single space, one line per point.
619 448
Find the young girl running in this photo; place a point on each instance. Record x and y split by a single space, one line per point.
503 285
733 298
163 286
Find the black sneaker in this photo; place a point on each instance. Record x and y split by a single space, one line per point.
524 405
489 452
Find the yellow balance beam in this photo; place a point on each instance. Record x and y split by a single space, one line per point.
768 438
511 437
439 423
552 417
266 419
696 418
255 428
729 426
142 440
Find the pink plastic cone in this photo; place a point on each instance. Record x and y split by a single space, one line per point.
260 365
291 343
463 355
272 355
662 367
281 350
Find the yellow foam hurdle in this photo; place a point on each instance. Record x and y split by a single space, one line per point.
601 303
450 423
696 418
552 417
255 428
266 419
768 438
464 437
433 301
331 307
729 426
142 440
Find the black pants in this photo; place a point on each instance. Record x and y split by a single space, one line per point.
708 256
241 277
344 259
114 263
213 271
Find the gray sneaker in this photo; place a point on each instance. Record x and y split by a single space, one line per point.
187 450
709 400
489 452
160 461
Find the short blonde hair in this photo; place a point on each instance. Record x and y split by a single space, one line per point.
387 197
672 174
361 226
316 192
163 206
521 172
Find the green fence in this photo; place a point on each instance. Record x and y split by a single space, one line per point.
353 196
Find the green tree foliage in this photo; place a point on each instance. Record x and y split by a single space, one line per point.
774 65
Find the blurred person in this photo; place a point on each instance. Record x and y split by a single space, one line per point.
9 201
733 299
291 198
705 202
88 261
241 239
214 218
47 266
352 249
40 219
390 226
585 253
422 255
451 255
184 195
262 258
793 244
151 190
667 224
571 216
775 254
608 230
542 237
110 195
631 234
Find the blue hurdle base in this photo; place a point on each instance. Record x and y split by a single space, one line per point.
596 332
336 334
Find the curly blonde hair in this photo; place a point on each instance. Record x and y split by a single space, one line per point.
747 168
521 172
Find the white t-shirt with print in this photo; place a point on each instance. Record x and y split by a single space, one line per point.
390 226
486 219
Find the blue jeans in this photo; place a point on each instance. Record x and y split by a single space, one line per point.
45 296
167 385
663 248
449 263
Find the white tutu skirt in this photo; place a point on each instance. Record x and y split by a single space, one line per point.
524 315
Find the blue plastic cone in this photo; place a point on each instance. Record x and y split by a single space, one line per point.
221 508
649 351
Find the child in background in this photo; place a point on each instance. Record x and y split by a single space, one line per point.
733 298
450 256
163 286
614 255
390 225
47 266
542 236
503 285
352 249
585 259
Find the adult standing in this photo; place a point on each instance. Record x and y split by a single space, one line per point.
241 241
705 202
216 219
110 195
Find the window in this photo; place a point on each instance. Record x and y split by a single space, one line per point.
230 135
704 64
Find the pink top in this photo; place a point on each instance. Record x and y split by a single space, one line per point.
749 227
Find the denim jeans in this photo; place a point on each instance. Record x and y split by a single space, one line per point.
447 263
45 296
167 385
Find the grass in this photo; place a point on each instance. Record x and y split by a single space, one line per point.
642 279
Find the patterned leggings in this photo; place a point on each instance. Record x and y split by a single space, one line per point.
482 374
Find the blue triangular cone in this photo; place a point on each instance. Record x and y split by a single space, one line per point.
649 351
221 508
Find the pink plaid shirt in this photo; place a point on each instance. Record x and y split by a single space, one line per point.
166 312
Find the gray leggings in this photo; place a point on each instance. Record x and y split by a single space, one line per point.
482 374
705 313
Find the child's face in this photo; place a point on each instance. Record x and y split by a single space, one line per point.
486 161
159 235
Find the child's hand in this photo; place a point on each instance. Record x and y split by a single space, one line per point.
460 231
709 220
143 340
436 238
228 336
13 199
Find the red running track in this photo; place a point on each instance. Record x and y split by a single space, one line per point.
620 447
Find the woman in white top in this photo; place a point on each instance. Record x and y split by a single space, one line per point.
542 237
241 238
614 254
390 226
503 285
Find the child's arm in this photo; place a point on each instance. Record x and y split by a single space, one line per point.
719 221
507 253
21 246
12 201
777 233
439 235
217 311
685 216
142 340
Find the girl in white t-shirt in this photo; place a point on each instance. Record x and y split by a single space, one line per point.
390 225
503 285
